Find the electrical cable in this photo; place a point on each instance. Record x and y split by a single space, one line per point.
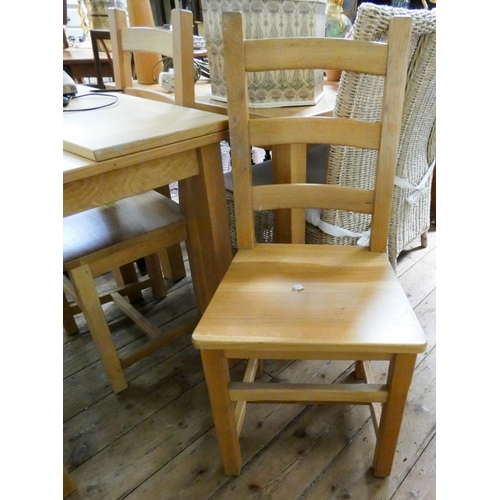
114 97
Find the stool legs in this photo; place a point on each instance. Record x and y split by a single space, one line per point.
153 267
127 274
89 302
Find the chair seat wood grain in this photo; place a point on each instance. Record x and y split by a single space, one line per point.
350 301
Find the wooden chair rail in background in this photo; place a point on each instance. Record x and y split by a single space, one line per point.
98 38
310 302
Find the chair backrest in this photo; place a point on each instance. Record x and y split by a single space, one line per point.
98 38
242 56
360 96
176 43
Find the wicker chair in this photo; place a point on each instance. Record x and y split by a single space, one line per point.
360 96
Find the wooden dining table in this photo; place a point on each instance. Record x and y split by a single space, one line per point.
79 63
130 145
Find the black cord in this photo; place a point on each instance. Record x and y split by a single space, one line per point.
114 97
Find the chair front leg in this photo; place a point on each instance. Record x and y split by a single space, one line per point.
88 298
216 368
399 380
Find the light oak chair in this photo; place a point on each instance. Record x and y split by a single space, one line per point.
107 238
113 238
176 43
307 302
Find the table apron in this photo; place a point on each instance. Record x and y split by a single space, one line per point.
89 168
116 184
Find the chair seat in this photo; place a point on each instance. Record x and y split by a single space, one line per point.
351 301
88 234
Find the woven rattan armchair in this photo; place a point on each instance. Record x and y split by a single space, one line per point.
360 96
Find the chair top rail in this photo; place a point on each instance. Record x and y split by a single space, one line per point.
146 39
177 44
315 53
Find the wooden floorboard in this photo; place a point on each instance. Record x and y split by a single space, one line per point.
156 440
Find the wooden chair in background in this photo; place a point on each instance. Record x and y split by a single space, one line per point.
177 44
103 239
311 302
114 237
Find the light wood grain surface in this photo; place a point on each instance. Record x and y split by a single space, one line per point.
100 134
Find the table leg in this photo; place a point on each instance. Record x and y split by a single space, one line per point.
203 200
289 165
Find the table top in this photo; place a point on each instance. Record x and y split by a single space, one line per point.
134 145
324 106
129 125
76 55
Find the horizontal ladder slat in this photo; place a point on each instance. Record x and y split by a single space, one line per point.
316 53
308 393
277 196
315 130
